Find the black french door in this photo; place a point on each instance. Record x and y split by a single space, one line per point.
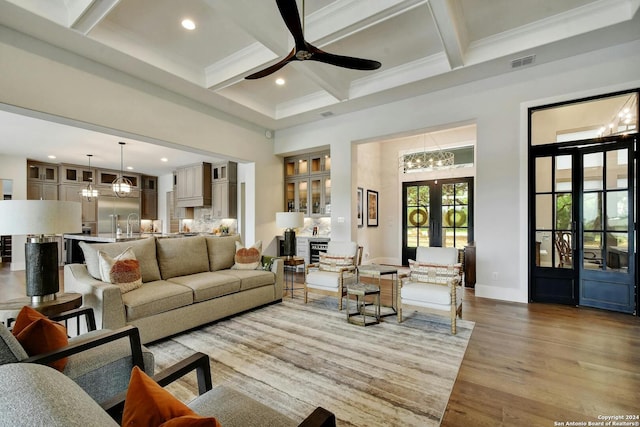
583 240
436 213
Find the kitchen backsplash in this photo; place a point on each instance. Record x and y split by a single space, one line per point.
203 222
323 225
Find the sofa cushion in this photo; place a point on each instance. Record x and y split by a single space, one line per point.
222 251
250 279
234 409
155 297
144 249
182 256
431 295
208 285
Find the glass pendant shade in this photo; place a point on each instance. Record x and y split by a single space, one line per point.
89 193
121 186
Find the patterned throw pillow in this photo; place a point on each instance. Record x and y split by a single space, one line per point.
123 270
335 263
248 258
434 273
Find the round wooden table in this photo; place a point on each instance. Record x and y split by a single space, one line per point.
62 303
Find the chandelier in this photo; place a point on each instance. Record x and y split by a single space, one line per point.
424 161
121 186
89 193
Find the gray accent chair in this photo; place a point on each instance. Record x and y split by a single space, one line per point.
99 361
35 395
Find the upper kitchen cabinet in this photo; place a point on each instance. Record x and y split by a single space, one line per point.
224 188
106 177
42 181
193 186
308 184
306 164
73 193
73 174
149 202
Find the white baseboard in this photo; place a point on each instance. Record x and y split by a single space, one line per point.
503 294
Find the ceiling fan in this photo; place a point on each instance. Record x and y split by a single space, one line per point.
303 50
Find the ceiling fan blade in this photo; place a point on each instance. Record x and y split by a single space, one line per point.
275 67
343 61
291 16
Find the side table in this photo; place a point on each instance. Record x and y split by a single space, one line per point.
290 266
377 271
63 302
361 316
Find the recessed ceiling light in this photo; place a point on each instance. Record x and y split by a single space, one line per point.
188 24
164 159
51 156
130 168
280 81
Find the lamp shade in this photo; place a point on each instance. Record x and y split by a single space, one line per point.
19 217
289 219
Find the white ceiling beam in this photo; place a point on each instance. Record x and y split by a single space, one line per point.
450 26
84 19
338 88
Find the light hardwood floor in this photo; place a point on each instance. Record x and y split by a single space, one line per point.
526 364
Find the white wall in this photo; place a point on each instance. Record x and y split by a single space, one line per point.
498 107
15 168
40 77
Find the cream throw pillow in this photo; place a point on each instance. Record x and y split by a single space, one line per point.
248 258
122 270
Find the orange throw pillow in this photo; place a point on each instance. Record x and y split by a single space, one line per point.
39 335
148 404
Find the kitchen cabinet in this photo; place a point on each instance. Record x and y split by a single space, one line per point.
42 172
106 178
224 189
192 186
149 202
73 174
308 184
73 193
41 191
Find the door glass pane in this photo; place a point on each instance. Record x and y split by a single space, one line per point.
593 171
617 210
417 205
544 212
592 211
592 250
617 176
543 249
302 196
617 246
563 173
543 174
327 196
291 196
564 252
303 166
564 211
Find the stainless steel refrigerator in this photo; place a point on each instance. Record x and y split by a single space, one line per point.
114 212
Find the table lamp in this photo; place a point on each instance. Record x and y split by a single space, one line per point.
289 221
39 219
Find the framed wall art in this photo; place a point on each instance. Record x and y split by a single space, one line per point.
360 207
372 208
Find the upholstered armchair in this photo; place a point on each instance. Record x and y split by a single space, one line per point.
335 270
99 361
433 283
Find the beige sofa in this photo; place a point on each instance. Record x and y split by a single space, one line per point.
187 282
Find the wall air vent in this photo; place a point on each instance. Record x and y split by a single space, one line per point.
523 62
326 114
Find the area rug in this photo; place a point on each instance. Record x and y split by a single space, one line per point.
294 357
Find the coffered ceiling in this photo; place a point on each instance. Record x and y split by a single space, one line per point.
423 45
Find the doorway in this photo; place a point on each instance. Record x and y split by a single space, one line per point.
436 213
582 210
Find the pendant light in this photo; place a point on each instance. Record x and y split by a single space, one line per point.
121 186
89 193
